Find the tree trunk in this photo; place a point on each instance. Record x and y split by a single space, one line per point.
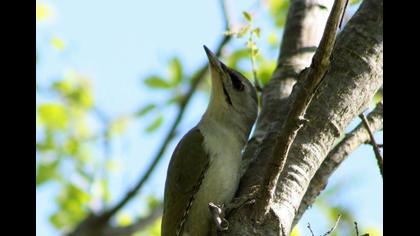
353 77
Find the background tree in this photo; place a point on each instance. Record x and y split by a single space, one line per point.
76 137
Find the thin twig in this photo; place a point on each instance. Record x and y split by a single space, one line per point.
253 64
295 118
356 228
309 227
333 228
375 147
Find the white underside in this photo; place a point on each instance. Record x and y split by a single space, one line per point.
222 177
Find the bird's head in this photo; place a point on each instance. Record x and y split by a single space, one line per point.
233 98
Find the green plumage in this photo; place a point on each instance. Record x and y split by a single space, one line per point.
182 184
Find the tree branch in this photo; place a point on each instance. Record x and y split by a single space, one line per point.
333 228
303 31
294 119
353 77
310 229
375 146
337 155
338 102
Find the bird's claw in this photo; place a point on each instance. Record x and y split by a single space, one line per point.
218 214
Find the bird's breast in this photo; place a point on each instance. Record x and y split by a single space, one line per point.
224 152
221 178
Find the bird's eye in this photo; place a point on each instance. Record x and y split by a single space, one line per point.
236 82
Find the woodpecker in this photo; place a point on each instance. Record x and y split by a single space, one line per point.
205 166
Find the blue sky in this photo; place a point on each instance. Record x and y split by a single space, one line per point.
117 44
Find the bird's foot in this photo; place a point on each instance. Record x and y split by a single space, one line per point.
219 212
218 215
246 199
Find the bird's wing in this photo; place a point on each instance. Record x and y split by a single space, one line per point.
186 170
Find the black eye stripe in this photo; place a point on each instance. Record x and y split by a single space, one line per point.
236 81
224 68
237 84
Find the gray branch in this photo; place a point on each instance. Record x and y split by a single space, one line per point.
355 74
304 93
375 146
303 31
337 155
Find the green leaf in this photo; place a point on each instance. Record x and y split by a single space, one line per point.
175 69
353 2
53 115
72 146
152 202
72 203
124 219
251 44
104 187
255 51
74 193
43 11
63 86
295 231
58 219
58 43
265 70
175 99
372 231
82 97
273 40
155 124
145 110
378 97
119 125
157 82
46 172
257 31
76 90
247 16
244 30
278 10
152 230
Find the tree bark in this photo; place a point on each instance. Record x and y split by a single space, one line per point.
337 155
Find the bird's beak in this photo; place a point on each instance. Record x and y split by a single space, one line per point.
218 76
214 63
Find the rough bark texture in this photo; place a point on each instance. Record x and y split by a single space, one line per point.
303 93
304 26
337 155
354 76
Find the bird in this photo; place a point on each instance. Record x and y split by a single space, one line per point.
205 165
